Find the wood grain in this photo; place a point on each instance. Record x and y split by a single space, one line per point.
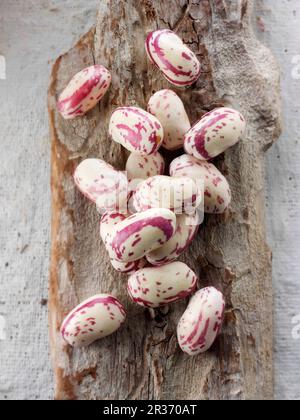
143 361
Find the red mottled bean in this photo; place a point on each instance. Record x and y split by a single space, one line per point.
159 286
169 109
141 233
95 318
214 133
84 91
143 167
102 184
136 130
201 322
178 63
217 194
107 225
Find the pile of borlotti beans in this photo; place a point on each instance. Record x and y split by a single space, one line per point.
149 219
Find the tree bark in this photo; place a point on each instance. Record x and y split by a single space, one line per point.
143 360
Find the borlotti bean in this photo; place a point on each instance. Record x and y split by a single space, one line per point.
176 194
214 133
217 194
201 322
102 184
187 228
107 224
141 233
177 62
95 318
136 130
158 286
143 167
169 109
84 91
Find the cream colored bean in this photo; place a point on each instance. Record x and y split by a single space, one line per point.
169 109
136 130
214 133
177 62
201 322
159 286
107 225
84 91
217 193
102 184
141 233
143 167
95 318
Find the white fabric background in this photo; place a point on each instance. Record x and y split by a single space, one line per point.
32 34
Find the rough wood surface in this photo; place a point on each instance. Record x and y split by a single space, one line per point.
143 360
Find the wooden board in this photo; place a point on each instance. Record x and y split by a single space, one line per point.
143 361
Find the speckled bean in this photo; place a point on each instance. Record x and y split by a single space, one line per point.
136 130
143 167
201 322
217 194
177 62
214 133
107 224
84 91
169 109
95 318
158 286
141 233
102 184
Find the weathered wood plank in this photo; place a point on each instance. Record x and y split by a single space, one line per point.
143 359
